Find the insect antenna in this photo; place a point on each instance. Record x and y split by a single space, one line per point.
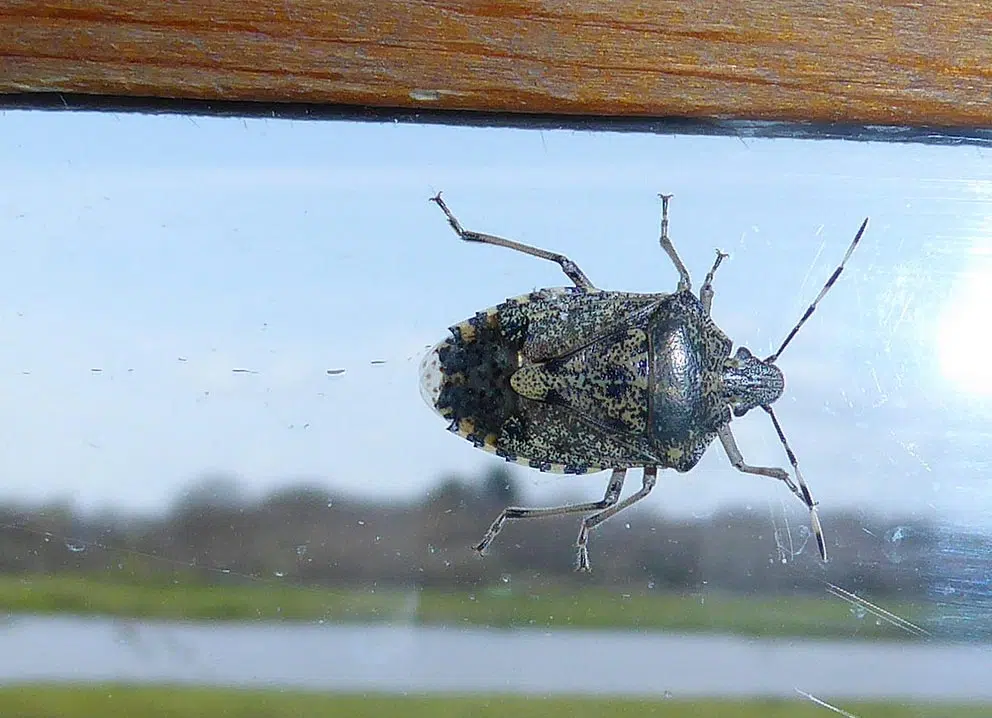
826 288
802 491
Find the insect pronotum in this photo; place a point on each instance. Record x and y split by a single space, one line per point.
578 379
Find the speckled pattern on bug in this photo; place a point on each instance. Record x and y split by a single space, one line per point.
577 379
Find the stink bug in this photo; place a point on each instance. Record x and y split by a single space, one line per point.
577 379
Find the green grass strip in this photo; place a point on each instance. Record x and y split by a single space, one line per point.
44 701
593 607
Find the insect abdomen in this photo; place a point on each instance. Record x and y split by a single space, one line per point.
466 378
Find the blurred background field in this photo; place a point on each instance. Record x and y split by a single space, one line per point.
304 554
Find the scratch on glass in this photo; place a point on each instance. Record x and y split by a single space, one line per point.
877 611
910 448
784 554
826 705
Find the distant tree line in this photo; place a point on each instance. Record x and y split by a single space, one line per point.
305 534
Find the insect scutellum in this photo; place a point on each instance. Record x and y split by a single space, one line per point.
579 379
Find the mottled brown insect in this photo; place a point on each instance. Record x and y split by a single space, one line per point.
577 379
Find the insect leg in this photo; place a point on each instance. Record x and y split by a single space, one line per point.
706 292
611 496
685 282
591 522
737 460
570 268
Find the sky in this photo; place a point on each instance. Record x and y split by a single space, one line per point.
174 291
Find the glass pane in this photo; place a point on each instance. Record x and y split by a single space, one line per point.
220 468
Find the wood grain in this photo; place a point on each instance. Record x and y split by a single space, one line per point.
893 63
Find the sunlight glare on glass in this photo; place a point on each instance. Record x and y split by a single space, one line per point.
964 334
